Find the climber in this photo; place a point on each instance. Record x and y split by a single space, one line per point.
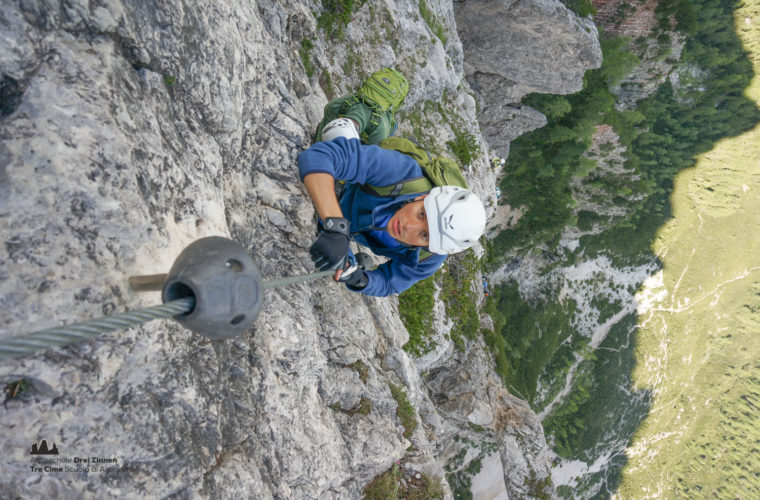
360 115
415 231
372 108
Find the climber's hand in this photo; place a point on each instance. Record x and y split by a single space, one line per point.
352 275
331 248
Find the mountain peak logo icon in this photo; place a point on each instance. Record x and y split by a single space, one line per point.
42 448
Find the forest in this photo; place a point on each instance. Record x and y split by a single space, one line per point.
662 136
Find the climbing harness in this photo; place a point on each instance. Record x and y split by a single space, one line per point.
213 288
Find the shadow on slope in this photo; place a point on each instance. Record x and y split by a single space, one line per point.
663 136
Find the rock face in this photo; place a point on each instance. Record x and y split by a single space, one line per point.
597 192
484 422
129 130
513 48
657 50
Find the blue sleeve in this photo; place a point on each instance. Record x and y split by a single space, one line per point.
392 277
356 163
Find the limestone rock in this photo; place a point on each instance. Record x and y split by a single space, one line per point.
129 130
513 48
657 50
485 421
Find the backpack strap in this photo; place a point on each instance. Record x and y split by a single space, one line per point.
409 186
412 185
374 119
352 99
402 145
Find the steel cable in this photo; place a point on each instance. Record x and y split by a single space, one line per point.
22 345
25 344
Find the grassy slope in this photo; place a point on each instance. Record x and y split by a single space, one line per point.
699 344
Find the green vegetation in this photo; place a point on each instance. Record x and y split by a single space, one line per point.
363 408
359 367
602 395
170 80
391 485
335 16
352 62
432 21
662 135
566 424
494 339
682 11
458 473
460 270
381 19
622 11
385 486
669 131
459 476
305 53
536 338
539 489
702 354
707 382
581 7
710 394
416 304
325 81
405 411
16 389
496 343
460 481
542 163
424 121
416 308
464 146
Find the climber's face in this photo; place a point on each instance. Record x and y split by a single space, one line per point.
410 225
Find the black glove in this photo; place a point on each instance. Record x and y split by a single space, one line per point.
356 280
331 248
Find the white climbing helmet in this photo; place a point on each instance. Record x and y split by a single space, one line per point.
456 219
340 127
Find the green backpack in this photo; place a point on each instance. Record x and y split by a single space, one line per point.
385 89
440 171
383 92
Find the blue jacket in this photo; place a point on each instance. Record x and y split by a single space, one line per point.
355 163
